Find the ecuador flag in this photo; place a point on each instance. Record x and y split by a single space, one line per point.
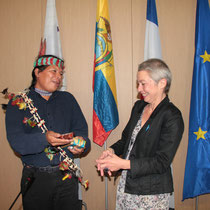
105 113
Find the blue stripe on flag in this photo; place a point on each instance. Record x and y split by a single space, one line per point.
151 11
104 103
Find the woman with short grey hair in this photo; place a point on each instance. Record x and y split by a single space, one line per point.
148 144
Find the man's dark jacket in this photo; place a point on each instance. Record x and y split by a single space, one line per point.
153 150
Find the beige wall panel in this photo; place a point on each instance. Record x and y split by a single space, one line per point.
120 17
138 23
22 24
177 26
20 31
78 33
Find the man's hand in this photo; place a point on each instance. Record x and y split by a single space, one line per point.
75 150
55 139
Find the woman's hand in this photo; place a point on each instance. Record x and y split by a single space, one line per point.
111 162
104 155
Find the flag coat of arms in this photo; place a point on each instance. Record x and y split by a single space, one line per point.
105 112
197 169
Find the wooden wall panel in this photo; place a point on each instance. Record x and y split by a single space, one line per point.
120 17
177 24
22 24
20 32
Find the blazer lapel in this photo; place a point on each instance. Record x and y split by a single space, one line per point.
147 125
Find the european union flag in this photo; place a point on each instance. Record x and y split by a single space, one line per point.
197 170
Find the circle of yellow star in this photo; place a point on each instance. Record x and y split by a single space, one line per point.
200 134
206 57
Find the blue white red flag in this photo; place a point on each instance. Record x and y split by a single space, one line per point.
152 46
105 112
197 169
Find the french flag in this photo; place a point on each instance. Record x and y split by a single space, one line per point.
152 47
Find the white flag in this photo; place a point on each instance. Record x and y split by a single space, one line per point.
52 34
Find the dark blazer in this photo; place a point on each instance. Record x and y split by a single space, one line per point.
153 150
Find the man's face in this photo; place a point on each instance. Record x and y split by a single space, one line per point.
50 79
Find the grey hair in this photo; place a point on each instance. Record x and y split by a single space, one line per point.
157 70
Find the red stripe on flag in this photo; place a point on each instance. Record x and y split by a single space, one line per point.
99 134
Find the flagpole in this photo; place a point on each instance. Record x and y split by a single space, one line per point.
196 203
106 184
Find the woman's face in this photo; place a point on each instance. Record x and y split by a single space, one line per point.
50 79
148 88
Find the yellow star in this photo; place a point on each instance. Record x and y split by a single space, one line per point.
206 57
200 134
